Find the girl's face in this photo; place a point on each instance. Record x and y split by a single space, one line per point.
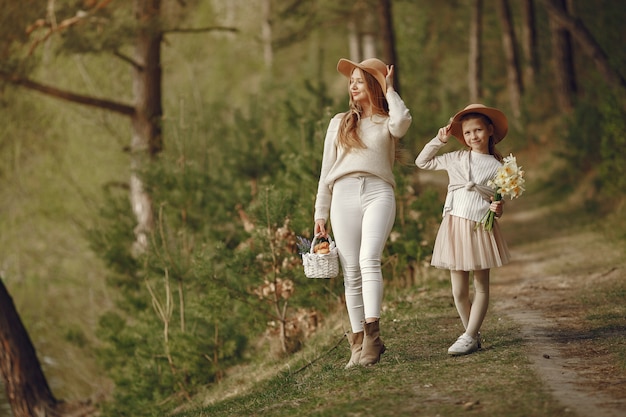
476 134
358 87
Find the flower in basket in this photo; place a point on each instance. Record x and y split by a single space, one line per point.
304 245
322 245
508 181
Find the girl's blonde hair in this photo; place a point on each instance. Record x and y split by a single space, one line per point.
487 121
348 137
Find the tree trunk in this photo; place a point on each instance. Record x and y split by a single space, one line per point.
146 123
368 36
562 57
388 39
475 56
563 21
514 80
354 42
27 390
266 35
362 27
529 42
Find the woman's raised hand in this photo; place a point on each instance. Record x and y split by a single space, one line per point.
389 76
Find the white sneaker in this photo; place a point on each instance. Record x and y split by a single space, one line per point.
464 345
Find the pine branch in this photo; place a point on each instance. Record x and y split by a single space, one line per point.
69 96
202 30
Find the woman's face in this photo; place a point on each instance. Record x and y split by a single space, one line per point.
476 134
358 87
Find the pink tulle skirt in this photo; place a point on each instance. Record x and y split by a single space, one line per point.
460 246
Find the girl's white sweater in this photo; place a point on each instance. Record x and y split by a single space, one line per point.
468 195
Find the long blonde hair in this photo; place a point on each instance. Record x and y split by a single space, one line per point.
348 137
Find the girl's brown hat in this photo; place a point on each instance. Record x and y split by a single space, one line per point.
498 119
373 66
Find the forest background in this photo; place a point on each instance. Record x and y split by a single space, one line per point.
148 241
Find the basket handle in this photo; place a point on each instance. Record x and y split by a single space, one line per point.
314 241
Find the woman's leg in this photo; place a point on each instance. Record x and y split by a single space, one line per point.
480 304
379 206
460 292
346 219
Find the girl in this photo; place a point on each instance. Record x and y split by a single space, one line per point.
356 187
462 245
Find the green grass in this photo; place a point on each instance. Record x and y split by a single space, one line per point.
604 310
415 376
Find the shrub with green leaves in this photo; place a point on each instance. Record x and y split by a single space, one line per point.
595 144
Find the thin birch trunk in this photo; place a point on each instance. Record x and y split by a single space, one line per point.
385 18
475 53
514 80
562 58
268 52
529 42
146 139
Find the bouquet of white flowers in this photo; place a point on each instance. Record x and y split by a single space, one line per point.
509 181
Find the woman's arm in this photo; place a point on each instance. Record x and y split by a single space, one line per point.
399 116
324 195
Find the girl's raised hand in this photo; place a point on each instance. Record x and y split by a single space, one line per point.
444 134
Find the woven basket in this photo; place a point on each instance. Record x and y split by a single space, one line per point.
321 265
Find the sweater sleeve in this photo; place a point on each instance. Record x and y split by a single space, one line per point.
427 158
324 192
399 116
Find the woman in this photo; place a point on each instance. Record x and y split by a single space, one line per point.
356 187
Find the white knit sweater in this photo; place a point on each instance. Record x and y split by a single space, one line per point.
377 158
468 195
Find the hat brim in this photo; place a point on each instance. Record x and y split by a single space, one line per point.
345 67
498 119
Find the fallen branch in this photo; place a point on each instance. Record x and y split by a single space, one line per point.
322 355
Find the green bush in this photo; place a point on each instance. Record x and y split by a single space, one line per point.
612 165
594 145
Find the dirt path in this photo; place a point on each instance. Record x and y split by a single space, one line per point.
541 290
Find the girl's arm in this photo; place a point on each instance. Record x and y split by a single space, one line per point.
427 158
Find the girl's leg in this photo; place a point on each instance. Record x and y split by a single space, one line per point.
346 219
460 292
379 206
480 304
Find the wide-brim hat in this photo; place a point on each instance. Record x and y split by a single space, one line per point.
373 66
498 119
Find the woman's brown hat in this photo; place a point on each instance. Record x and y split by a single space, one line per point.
498 119
372 66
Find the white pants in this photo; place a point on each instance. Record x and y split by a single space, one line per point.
362 213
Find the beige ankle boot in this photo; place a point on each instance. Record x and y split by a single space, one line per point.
356 345
373 345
